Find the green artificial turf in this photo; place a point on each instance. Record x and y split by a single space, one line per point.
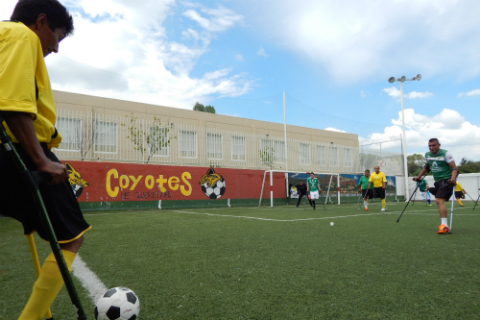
269 263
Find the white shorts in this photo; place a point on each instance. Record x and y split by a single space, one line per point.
314 195
424 195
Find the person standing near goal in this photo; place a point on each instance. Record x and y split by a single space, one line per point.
313 188
423 188
459 193
445 172
367 193
379 181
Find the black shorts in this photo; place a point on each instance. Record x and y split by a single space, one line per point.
17 202
369 193
459 195
442 189
379 193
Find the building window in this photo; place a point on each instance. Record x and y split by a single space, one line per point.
187 144
347 157
71 131
304 152
105 137
239 152
333 156
321 155
279 154
214 146
159 141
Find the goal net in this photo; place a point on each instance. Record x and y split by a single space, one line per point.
329 183
336 188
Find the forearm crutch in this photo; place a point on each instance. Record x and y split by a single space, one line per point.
36 264
476 202
451 210
32 181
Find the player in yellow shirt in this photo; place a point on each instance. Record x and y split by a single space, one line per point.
379 181
459 193
26 103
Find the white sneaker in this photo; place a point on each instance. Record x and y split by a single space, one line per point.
383 209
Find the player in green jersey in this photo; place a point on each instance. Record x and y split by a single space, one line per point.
423 188
363 187
313 188
445 172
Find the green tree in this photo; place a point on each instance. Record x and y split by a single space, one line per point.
415 163
202 108
468 166
149 140
267 152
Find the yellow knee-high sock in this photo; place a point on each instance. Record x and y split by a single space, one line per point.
46 288
383 203
460 202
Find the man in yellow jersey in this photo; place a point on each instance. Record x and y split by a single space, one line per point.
379 182
459 193
26 102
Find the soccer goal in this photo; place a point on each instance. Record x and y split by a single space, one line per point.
324 178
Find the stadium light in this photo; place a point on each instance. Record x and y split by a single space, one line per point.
402 79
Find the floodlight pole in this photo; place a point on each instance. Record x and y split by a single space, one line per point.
404 139
286 149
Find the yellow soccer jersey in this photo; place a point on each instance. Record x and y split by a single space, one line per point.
377 179
22 74
458 187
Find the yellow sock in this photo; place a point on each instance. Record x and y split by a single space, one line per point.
46 288
460 202
383 203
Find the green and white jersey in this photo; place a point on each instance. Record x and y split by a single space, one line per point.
439 164
422 186
364 183
312 184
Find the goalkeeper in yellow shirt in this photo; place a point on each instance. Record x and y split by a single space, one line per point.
379 181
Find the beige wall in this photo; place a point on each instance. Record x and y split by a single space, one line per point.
71 101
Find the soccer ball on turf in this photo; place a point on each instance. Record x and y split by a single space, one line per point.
117 304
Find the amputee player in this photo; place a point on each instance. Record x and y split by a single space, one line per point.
367 193
379 181
459 193
26 102
313 189
423 189
445 172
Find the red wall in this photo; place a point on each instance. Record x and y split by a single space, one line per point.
136 182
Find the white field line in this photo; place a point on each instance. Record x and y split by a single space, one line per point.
320 218
89 280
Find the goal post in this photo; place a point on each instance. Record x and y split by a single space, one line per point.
270 177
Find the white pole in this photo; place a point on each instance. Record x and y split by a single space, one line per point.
405 168
338 188
286 150
271 189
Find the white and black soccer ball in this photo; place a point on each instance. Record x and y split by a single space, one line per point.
215 191
117 304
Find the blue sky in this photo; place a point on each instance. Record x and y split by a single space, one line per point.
332 58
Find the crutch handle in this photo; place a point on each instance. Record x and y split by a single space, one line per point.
41 177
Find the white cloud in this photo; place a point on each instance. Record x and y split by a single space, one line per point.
120 49
220 19
364 93
394 92
261 52
474 92
449 126
239 57
358 39
333 129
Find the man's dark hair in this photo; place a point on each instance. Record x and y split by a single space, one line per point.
27 12
367 170
434 140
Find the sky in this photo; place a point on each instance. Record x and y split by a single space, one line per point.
332 58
